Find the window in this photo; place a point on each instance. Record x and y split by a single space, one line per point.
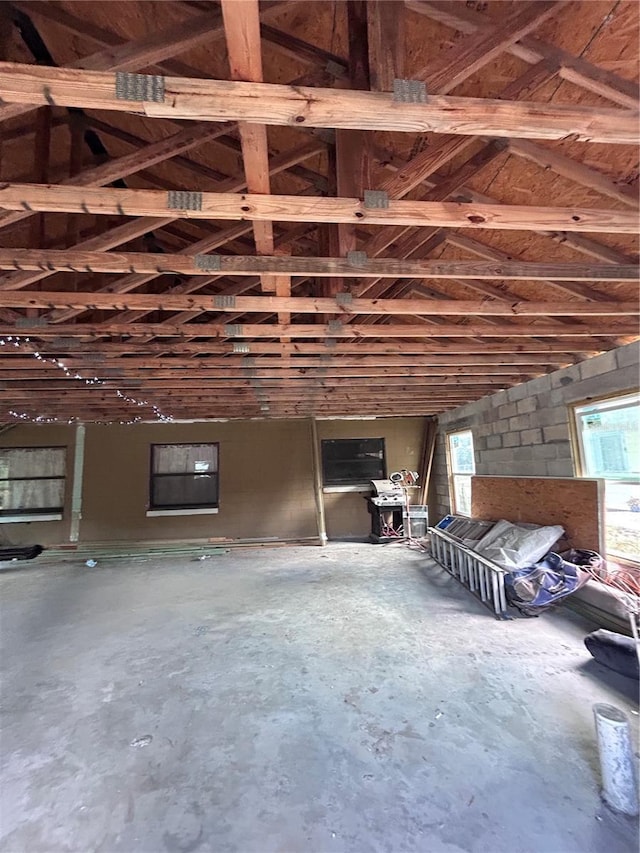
608 445
184 478
352 461
32 483
461 468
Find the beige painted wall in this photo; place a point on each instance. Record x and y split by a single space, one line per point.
346 512
266 479
41 435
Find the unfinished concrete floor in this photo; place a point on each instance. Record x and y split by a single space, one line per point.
352 698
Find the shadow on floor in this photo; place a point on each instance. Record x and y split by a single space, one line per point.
626 688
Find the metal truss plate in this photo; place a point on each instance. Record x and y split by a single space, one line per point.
356 259
240 348
184 200
223 301
409 91
344 298
31 322
139 87
336 69
330 343
334 326
207 262
248 363
233 330
376 199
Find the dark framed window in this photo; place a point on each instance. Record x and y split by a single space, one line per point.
32 480
184 476
352 461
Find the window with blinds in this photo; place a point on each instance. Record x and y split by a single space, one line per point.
184 476
32 481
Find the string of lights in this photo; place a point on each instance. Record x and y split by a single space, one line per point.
10 340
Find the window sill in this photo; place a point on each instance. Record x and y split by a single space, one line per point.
13 519
153 513
357 487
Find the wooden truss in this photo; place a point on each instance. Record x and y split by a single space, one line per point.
278 229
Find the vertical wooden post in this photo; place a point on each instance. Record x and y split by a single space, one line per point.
76 488
317 483
386 32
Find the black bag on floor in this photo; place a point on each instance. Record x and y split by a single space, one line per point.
615 651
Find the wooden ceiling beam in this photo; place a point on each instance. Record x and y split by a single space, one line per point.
121 356
135 55
574 286
287 208
500 267
554 352
203 384
152 153
276 104
573 69
315 305
104 241
168 399
188 372
247 331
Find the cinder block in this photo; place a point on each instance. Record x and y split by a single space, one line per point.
556 397
531 436
529 468
550 416
563 450
559 432
500 427
560 468
529 404
497 399
565 377
523 454
544 452
543 383
494 441
479 443
518 392
507 411
628 355
519 422
622 380
511 439
598 364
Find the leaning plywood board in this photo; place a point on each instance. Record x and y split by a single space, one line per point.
576 504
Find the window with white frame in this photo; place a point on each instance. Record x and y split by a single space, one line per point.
608 446
462 466
184 477
32 483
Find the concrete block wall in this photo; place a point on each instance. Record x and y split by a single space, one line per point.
524 431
